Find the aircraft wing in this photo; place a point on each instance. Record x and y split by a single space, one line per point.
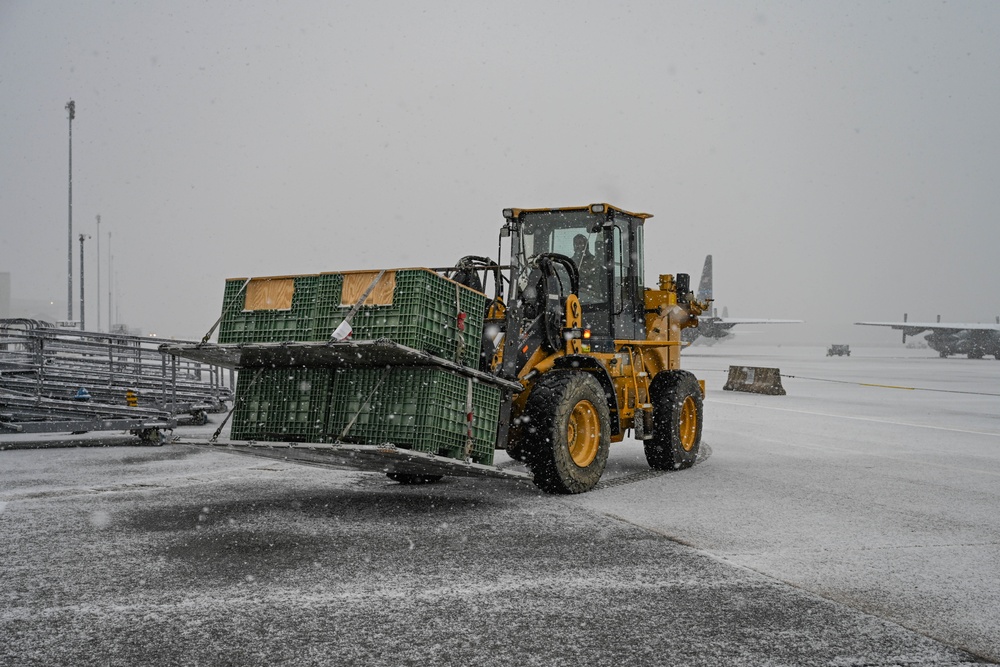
913 328
718 327
752 320
712 326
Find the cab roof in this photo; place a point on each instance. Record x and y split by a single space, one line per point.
595 209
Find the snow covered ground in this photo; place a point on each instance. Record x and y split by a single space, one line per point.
874 482
853 521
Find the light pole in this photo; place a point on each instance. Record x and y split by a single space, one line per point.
71 108
83 319
98 272
110 281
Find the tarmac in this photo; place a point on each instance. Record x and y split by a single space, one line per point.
174 555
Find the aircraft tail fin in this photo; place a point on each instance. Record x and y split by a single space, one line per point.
705 286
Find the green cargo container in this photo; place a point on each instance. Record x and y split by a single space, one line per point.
423 409
282 404
265 310
327 313
419 309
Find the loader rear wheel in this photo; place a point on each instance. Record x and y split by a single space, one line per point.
567 432
677 421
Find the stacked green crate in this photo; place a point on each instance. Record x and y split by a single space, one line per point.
239 325
327 313
282 404
424 315
423 409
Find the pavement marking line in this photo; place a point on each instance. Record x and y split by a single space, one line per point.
863 419
858 383
891 386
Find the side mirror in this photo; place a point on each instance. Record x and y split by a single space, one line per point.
682 285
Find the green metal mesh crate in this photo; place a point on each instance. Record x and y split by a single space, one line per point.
423 409
327 313
282 404
423 314
244 322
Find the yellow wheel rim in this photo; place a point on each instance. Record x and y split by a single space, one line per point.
688 423
583 434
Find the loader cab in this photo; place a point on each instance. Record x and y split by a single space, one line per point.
605 245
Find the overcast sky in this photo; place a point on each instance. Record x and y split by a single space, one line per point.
839 159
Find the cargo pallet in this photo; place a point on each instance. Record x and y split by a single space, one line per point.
360 369
385 449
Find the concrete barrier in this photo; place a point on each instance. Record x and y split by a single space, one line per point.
755 380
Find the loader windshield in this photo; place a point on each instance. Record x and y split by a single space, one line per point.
576 235
606 248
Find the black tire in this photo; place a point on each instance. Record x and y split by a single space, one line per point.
567 432
678 416
407 478
515 450
517 439
151 437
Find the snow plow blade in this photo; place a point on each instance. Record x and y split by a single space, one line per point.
386 458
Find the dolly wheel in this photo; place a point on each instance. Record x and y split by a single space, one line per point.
150 436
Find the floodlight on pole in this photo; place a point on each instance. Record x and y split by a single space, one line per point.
71 108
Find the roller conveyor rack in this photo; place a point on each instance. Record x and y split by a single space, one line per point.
38 361
35 414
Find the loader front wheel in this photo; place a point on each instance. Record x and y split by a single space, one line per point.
677 421
568 432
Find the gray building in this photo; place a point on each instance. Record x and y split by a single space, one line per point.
4 294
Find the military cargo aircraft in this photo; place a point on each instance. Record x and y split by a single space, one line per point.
715 327
947 338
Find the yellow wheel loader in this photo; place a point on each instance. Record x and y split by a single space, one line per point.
598 354
578 351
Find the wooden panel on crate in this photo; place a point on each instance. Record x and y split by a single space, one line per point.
269 294
356 282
